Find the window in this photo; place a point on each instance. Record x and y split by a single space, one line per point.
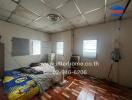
59 48
89 48
36 47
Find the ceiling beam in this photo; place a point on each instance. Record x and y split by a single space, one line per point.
63 4
129 1
17 2
79 10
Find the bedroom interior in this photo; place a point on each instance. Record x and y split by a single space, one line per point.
65 49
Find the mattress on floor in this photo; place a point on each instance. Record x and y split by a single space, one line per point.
19 86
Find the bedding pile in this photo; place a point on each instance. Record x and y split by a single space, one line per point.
24 83
48 78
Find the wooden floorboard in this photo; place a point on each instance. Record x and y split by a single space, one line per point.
87 89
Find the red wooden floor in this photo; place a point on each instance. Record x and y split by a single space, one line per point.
87 89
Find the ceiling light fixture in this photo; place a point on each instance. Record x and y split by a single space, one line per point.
54 17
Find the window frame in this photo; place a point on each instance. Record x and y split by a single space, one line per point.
32 47
91 57
62 48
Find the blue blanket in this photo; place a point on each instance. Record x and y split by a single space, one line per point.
19 86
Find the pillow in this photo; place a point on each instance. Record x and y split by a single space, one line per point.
38 68
45 68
